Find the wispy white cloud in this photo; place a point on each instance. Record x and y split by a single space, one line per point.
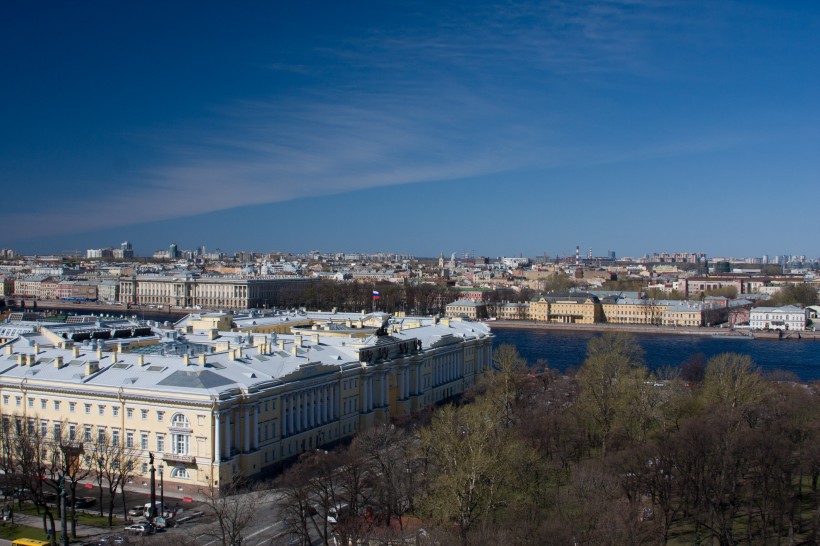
416 117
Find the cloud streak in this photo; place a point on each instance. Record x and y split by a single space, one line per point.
434 106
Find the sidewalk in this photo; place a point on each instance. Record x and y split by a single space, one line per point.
83 531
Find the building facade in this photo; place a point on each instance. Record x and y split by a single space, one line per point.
243 405
789 317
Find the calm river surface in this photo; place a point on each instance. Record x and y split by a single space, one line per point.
563 349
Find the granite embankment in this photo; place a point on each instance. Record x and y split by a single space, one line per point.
648 329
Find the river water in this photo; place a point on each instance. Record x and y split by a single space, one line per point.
565 349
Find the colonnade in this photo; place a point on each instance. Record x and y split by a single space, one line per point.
309 408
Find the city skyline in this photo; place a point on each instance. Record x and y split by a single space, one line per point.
419 128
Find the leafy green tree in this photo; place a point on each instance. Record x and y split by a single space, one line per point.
607 379
471 464
732 381
794 294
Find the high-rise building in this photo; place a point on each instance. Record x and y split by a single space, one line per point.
172 251
127 249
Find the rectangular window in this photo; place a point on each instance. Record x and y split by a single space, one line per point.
86 433
72 406
88 409
144 440
5 399
101 410
160 416
115 436
58 430
144 414
72 433
43 404
31 402
18 400
145 468
129 439
43 428
56 405
116 411
129 412
161 443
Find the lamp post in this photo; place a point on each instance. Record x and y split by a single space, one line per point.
153 508
161 491
63 523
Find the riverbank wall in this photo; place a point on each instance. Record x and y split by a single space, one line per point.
705 331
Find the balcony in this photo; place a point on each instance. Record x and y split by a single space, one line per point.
175 458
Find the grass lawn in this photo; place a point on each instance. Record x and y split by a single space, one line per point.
12 532
83 518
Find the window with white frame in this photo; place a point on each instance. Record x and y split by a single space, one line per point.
180 444
180 421
180 473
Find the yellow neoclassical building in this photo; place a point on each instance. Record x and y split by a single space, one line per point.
572 309
243 401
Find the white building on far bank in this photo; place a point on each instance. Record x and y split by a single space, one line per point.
788 317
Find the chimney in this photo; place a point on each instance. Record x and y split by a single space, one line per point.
30 360
186 360
21 360
75 351
141 360
202 359
36 348
92 367
58 362
315 338
99 353
9 349
294 350
213 333
281 344
297 340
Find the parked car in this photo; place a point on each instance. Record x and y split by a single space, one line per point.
136 510
141 529
85 502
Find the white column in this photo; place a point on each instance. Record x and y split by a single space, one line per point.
285 413
385 389
255 444
217 437
247 441
228 433
292 417
312 420
325 396
305 410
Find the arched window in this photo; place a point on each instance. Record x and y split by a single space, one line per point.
180 421
180 473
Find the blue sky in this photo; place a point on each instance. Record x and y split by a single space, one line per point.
496 128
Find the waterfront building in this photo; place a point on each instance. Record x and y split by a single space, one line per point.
788 317
466 308
211 292
242 402
577 308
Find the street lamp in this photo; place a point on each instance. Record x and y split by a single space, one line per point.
153 508
161 491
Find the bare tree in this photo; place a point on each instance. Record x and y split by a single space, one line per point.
234 506
114 464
